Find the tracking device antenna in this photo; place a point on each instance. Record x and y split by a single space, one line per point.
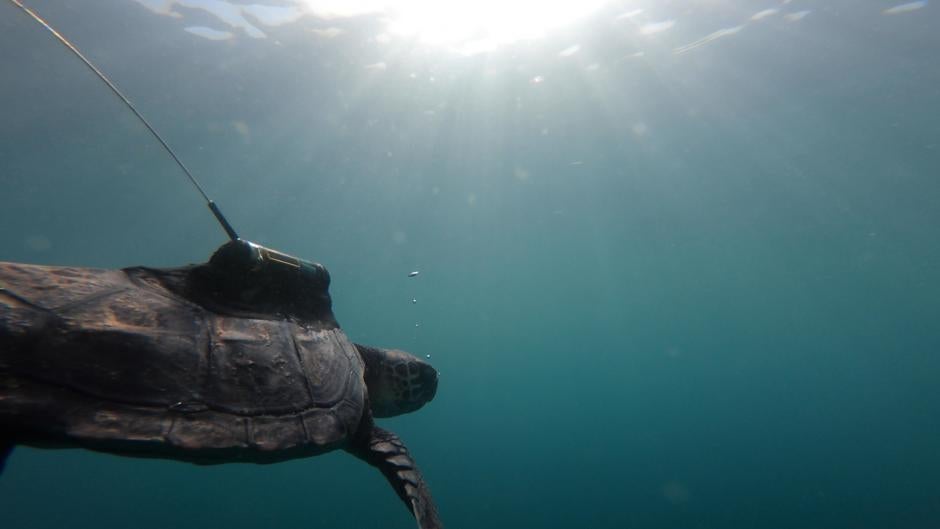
212 205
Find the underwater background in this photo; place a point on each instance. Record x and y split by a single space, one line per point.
679 259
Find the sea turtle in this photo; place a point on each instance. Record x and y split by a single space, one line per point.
237 359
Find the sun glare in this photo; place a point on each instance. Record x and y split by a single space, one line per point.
473 26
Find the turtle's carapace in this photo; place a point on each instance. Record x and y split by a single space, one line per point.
237 359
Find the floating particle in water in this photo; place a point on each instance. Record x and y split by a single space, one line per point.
414 300
38 243
412 274
656 27
676 492
905 8
209 33
428 356
569 51
417 325
765 13
799 15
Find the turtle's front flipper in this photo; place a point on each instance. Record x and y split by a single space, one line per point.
5 448
384 450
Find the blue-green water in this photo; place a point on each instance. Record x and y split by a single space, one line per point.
679 260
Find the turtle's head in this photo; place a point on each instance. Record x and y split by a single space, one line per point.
398 382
